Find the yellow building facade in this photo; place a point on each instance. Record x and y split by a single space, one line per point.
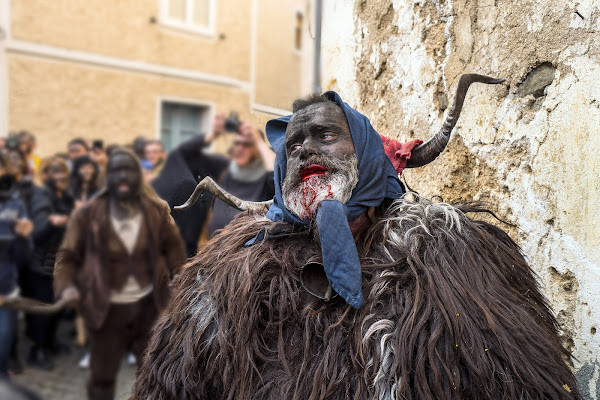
115 70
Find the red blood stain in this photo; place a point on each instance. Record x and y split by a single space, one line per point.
329 192
309 194
306 203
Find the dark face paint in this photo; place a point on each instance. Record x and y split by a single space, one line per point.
123 177
319 131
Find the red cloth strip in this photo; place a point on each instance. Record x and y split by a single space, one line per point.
399 153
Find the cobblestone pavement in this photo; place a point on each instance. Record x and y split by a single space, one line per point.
67 381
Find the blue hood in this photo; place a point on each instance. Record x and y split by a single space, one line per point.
377 180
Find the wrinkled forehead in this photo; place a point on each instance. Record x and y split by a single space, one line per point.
322 114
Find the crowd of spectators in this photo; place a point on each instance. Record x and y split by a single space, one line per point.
38 196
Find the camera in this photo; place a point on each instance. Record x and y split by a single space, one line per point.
98 144
232 123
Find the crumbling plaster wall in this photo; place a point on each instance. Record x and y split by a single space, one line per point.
530 148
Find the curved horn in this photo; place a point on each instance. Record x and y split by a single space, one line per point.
428 151
33 306
209 185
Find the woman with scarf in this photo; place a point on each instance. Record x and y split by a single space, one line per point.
249 175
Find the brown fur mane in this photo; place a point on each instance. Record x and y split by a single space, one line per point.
452 311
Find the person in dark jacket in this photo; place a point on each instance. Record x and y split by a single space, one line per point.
248 177
15 247
185 167
24 182
50 212
83 183
35 199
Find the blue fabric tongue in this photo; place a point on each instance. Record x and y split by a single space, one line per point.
340 257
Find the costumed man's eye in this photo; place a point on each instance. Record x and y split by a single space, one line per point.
294 148
328 136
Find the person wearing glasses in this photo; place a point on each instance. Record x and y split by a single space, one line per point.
249 175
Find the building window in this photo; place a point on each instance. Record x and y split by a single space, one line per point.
180 122
298 31
190 15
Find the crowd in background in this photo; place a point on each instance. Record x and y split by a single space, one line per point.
39 195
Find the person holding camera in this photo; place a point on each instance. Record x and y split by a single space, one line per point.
249 175
185 166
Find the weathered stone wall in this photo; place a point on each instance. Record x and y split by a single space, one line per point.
529 147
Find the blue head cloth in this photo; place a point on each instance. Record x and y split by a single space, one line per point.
377 180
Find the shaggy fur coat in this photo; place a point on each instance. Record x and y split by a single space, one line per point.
452 311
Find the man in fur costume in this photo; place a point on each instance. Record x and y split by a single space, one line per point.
349 289
118 256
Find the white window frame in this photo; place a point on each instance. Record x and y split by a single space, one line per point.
188 26
207 124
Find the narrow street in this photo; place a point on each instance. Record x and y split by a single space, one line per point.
66 381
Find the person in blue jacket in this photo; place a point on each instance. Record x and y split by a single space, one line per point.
15 246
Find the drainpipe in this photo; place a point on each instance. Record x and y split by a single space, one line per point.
317 58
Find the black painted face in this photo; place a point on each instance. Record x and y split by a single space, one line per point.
123 177
320 130
321 162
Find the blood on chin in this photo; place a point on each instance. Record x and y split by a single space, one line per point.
304 199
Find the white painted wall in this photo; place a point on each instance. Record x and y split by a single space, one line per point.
536 162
